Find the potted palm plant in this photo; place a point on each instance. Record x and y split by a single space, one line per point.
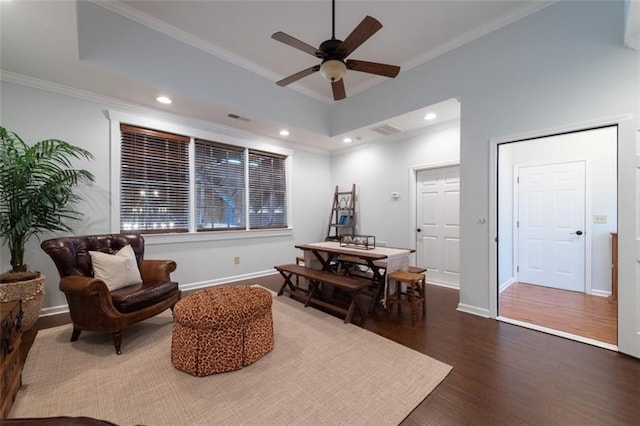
37 195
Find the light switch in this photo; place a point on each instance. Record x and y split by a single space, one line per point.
599 218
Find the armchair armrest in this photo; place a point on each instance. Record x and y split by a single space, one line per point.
82 285
78 287
154 271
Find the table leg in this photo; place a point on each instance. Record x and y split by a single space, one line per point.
287 281
378 282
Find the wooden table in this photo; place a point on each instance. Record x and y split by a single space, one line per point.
323 255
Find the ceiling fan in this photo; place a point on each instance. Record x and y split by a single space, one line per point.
334 52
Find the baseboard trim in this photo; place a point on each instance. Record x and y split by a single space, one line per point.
474 310
506 285
226 280
452 286
559 333
57 315
601 293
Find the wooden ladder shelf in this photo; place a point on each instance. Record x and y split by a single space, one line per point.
342 220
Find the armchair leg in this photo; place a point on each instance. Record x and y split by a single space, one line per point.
117 340
75 334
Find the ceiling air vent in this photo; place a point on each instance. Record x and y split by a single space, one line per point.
386 130
238 117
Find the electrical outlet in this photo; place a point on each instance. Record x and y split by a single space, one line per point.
236 260
599 218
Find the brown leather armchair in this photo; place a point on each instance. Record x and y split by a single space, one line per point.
91 305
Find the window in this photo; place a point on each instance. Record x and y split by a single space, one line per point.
220 186
154 181
233 188
267 190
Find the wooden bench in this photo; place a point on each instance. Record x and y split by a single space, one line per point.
351 286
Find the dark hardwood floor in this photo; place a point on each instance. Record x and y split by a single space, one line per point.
504 374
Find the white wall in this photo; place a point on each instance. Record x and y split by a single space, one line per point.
561 67
380 169
38 114
599 151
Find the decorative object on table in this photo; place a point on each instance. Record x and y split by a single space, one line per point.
37 195
221 329
365 242
93 306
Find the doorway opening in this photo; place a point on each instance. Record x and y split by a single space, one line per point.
557 218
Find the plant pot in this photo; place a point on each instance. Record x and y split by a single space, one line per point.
31 293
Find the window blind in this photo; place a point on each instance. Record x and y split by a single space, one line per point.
154 181
267 190
220 186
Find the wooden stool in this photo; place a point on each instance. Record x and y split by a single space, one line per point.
414 294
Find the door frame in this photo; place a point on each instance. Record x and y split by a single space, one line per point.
587 214
413 203
624 124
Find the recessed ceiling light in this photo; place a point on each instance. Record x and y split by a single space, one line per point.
347 140
430 116
284 132
163 100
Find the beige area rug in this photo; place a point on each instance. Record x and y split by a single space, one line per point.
321 371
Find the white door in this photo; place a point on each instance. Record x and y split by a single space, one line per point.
551 225
438 221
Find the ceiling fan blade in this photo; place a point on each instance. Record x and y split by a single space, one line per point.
373 68
338 90
365 29
294 42
297 76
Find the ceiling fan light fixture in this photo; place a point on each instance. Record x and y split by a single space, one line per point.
333 69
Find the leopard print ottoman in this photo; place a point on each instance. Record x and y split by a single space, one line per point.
221 329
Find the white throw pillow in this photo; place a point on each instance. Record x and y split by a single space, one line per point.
116 270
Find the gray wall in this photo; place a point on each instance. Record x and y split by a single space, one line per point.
37 114
383 168
563 66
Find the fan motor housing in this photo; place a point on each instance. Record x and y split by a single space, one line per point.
330 48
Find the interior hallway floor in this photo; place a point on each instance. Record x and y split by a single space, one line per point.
582 314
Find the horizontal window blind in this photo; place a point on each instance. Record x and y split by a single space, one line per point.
154 181
267 190
220 186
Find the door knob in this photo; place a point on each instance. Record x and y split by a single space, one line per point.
577 232
419 230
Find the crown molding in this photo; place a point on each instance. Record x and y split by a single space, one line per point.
200 44
128 107
111 103
479 32
211 49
